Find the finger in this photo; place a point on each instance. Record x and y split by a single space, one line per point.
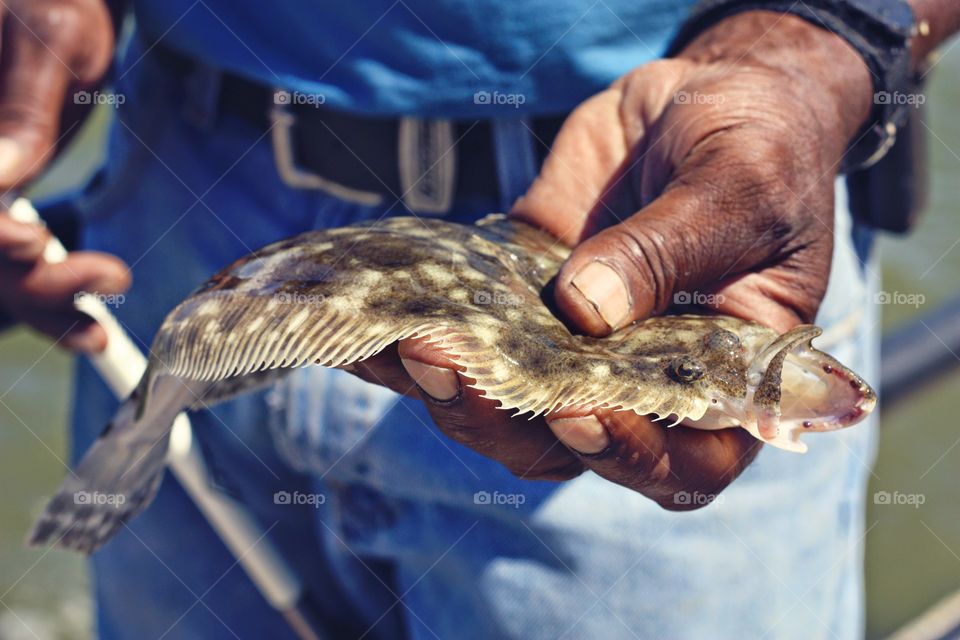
55 285
527 448
431 369
588 152
386 370
71 329
21 242
725 212
662 463
584 184
43 53
767 296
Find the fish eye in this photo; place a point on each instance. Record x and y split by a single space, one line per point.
686 369
722 339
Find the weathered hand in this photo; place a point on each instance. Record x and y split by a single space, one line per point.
49 49
710 173
709 176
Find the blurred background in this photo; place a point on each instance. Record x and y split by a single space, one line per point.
913 550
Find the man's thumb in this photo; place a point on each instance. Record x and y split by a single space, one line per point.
634 269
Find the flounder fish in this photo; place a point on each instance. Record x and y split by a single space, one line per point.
338 296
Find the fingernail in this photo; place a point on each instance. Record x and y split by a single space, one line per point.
584 433
439 383
605 290
11 155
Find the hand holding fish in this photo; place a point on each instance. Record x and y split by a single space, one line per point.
707 179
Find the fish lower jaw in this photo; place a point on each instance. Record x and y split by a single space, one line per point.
787 436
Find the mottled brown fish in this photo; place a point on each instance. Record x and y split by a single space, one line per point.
338 296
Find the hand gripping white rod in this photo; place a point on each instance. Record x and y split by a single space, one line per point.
121 365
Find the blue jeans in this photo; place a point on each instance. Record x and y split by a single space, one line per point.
400 547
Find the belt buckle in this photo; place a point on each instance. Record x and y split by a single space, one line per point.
282 121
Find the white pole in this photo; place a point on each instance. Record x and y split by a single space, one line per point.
121 365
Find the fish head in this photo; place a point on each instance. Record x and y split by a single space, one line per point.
775 386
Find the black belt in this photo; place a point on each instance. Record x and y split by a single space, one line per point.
361 152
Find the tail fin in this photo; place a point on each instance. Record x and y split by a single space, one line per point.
120 474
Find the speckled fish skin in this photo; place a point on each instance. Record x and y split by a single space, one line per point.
335 297
338 296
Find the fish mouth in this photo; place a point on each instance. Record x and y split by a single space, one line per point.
792 388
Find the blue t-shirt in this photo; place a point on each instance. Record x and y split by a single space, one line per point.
449 58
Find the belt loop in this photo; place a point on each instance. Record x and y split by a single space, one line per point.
202 96
427 161
282 121
516 158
